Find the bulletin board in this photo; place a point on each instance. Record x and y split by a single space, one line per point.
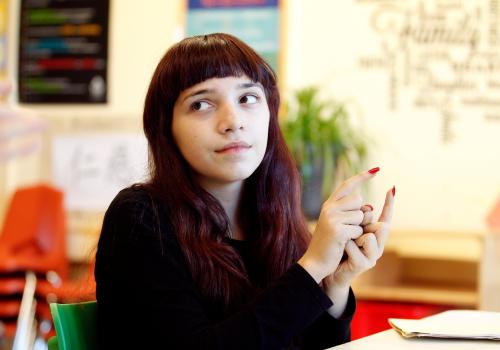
63 51
256 22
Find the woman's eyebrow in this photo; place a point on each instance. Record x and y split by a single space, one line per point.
249 85
198 92
208 91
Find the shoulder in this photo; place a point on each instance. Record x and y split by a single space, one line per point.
137 210
135 202
136 239
130 197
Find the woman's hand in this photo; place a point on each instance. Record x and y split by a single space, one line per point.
20 129
339 223
362 254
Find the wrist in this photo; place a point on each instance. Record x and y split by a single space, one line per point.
337 281
334 290
339 297
340 286
312 268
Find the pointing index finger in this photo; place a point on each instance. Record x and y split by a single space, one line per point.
352 183
386 215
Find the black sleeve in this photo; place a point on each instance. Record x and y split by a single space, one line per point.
147 299
327 331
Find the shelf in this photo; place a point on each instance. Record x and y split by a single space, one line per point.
434 244
410 279
457 296
461 246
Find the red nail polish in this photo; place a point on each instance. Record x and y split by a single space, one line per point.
393 191
369 206
374 170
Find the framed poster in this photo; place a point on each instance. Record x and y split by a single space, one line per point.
63 51
256 22
92 168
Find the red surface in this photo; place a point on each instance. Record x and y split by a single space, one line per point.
371 316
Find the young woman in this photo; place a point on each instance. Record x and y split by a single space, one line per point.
213 251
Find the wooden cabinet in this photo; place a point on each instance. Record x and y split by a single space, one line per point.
448 268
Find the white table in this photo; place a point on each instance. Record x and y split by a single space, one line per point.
390 339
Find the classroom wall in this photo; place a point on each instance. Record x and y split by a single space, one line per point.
435 128
443 157
138 37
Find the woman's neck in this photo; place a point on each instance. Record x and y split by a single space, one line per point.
229 197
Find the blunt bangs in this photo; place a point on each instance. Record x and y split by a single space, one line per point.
199 58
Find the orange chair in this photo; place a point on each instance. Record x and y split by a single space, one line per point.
34 233
33 239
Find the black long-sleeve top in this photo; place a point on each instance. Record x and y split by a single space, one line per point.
147 298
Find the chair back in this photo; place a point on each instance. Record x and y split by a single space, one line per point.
75 325
35 226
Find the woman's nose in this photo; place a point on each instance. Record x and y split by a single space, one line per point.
229 119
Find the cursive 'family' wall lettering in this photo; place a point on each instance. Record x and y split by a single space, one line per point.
444 53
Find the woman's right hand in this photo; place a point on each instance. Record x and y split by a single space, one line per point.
339 221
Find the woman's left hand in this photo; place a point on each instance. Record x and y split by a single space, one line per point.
362 255
20 129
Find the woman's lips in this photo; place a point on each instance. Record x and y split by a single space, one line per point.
234 147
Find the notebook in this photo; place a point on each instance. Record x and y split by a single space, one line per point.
455 324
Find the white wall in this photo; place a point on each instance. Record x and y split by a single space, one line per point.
138 36
441 185
444 186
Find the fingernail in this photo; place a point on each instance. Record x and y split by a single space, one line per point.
374 170
393 191
369 206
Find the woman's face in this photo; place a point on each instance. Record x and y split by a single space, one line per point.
220 126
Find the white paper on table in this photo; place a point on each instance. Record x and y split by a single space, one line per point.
456 324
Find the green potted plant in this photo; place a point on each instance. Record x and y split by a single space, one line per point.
325 146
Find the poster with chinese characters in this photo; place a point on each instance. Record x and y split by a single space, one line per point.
92 168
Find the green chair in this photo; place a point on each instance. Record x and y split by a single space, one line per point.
75 325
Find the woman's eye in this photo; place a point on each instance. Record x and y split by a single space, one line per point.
200 106
249 99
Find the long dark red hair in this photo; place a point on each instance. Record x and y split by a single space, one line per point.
269 211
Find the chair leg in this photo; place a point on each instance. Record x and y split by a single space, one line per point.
26 324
